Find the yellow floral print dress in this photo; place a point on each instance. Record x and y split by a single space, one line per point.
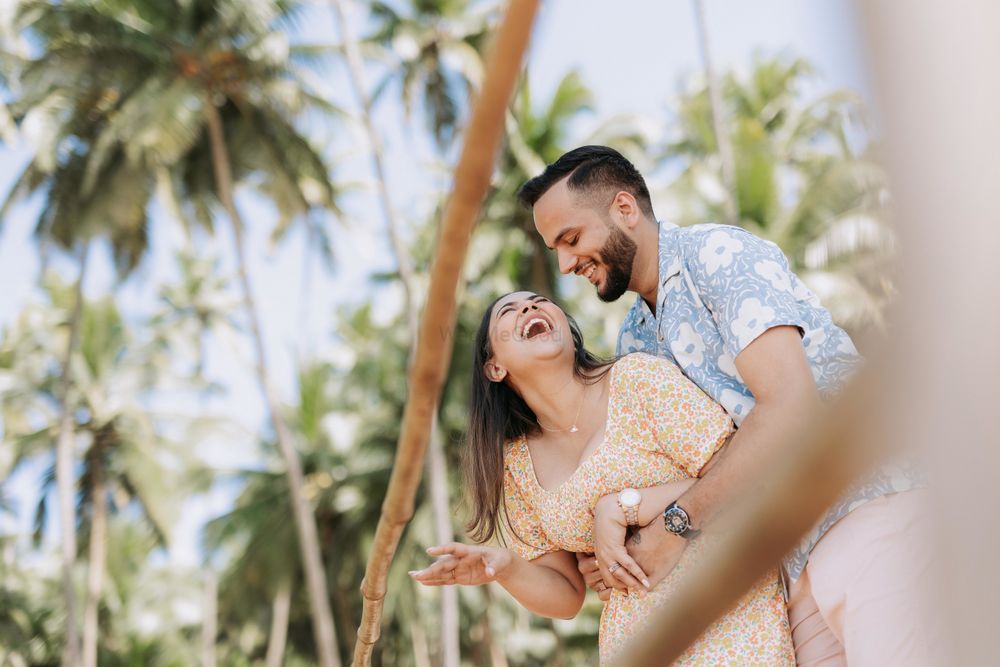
661 428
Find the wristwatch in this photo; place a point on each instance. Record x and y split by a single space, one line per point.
629 500
677 521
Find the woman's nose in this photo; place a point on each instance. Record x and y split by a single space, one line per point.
529 306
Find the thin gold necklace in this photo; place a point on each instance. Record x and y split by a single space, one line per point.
571 429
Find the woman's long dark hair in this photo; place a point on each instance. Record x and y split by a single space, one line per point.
499 415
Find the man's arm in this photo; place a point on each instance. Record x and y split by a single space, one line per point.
775 369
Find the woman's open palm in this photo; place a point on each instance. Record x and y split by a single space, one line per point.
466 564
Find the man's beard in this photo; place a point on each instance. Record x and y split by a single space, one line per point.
617 256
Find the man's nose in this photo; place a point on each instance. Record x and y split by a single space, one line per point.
567 261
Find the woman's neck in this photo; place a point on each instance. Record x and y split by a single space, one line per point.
558 399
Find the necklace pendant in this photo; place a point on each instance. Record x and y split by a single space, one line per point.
573 429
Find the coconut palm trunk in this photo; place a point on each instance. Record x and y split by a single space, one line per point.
437 466
305 521
65 479
280 607
210 618
722 142
430 362
98 550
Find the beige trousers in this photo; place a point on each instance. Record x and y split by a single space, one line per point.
862 599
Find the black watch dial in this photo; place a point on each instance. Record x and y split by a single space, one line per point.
676 520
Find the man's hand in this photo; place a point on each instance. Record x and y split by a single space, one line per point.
656 551
587 564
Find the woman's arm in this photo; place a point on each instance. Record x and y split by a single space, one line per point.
549 585
609 534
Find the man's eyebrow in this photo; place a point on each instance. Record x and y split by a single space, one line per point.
563 232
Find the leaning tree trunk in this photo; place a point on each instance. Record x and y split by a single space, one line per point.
98 550
64 473
305 521
280 607
437 466
725 148
430 363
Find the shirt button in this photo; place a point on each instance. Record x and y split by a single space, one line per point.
659 336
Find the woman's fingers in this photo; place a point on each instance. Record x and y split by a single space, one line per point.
451 548
630 572
440 567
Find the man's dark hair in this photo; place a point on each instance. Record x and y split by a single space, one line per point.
593 171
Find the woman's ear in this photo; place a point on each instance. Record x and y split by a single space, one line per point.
493 372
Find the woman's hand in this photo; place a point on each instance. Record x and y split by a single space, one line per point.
609 548
466 564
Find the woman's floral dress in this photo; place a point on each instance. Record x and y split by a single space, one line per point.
661 428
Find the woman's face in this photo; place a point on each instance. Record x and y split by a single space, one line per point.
526 328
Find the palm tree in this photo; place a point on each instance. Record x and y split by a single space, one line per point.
82 202
433 48
214 100
122 465
472 175
537 135
717 111
806 179
436 461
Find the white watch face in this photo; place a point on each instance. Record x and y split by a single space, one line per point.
629 497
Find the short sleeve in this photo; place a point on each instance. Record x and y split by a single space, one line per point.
687 425
746 284
522 528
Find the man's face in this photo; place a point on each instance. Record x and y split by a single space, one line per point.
586 240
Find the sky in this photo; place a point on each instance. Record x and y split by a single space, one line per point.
633 56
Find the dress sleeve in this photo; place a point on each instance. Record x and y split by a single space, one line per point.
522 528
746 284
687 425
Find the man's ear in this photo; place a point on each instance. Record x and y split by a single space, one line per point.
494 372
625 210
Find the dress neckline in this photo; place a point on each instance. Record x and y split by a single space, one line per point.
612 393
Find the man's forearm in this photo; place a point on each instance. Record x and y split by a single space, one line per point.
742 465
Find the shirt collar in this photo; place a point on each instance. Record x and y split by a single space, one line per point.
669 262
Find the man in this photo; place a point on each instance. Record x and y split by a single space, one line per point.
725 307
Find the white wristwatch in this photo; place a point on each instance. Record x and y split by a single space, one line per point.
628 500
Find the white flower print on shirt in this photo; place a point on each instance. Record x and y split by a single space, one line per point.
813 341
688 347
847 347
629 343
803 293
774 273
753 319
736 404
728 366
718 251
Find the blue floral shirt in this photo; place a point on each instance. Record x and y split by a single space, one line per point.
721 287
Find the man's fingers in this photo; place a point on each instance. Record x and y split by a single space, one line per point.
586 563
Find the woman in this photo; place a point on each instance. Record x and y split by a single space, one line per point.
555 438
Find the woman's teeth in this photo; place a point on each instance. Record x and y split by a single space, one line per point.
545 328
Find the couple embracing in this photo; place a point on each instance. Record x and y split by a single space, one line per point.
591 472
